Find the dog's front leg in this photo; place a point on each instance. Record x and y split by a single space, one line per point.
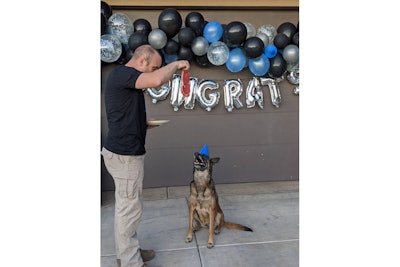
189 236
211 229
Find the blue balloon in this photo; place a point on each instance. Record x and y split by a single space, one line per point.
259 66
213 31
236 60
270 51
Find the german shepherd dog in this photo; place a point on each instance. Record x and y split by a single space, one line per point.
204 209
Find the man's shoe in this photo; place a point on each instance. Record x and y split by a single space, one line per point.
147 255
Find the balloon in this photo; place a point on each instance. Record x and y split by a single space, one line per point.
121 26
125 55
218 53
295 39
274 90
251 31
203 61
186 36
142 25
259 66
200 46
185 53
212 31
110 48
277 66
236 60
293 77
270 51
269 31
288 29
281 40
195 21
291 54
254 94
232 90
263 37
168 58
177 97
170 21
172 47
106 10
206 103
157 39
137 39
159 94
253 47
235 33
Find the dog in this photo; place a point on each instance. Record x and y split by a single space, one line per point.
204 208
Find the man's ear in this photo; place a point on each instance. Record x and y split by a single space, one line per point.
214 160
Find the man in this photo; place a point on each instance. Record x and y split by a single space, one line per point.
124 148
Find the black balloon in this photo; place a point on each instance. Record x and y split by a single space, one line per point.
185 53
195 21
170 21
103 23
253 47
123 58
295 39
142 25
171 47
105 9
288 29
235 33
203 61
186 36
281 41
277 66
137 39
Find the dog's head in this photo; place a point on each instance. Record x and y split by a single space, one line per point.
202 162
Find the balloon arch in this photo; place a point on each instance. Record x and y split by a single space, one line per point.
270 53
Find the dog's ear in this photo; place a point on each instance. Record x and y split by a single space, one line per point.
196 155
214 160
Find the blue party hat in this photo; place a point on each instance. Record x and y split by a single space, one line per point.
204 150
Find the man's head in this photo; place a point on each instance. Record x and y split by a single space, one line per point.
145 59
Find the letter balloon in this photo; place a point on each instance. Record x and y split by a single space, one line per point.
254 94
232 90
212 101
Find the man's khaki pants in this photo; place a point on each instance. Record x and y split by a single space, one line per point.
127 172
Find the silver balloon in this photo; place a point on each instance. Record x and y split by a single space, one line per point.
110 48
294 78
251 31
157 38
268 30
159 94
275 93
190 99
212 101
263 38
232 90
291 54
218 53
176 94
120 24
254 93
200 46
177 98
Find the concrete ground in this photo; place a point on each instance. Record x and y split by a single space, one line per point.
271 209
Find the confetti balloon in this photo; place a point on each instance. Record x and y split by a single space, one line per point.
218 53
121 26
110 48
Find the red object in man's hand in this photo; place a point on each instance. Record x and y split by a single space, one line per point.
185 83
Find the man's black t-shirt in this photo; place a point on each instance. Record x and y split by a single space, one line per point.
126 113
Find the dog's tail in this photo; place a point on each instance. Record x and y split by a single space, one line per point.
236 226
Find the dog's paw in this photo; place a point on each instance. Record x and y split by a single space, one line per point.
188 239
210 245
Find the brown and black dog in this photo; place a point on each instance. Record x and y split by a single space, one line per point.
204 209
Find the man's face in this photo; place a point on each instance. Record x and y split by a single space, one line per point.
154 64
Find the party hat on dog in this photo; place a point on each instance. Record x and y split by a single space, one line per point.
204 150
